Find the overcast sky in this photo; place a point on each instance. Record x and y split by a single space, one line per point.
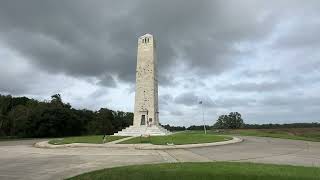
260 58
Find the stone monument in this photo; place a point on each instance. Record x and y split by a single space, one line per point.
146 114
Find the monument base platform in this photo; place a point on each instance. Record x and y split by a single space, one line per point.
143 131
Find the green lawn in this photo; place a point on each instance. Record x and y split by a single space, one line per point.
98 139
178 138
205 171
307 134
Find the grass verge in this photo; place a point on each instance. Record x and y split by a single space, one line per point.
97 139
306 134
203 171
178 139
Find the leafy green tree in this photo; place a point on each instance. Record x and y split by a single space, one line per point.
4 125
231 121
122 120
221 122
24 117
19 118
102 123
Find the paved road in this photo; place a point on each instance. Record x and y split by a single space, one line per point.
20 160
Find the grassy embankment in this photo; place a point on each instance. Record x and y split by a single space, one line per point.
211 170
97 139
307 134
178 139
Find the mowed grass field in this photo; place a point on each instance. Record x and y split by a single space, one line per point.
97 139
205 171
307 134
195 137
179 138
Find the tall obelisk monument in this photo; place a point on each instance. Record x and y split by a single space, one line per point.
146 97
146 115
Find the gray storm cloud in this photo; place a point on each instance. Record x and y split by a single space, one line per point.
91 38
238 53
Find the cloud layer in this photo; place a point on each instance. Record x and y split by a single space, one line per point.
256 57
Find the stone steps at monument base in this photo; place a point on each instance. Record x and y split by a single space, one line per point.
146 131
143 130
139 130
141 133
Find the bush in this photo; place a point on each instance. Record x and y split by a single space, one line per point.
231 121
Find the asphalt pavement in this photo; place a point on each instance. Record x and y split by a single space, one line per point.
21 160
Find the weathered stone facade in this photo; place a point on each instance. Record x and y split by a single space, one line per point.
146 115
146 97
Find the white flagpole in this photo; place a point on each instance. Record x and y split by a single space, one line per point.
204 123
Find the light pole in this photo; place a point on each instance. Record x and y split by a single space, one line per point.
204 124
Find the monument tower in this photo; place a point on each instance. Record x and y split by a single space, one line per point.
146 98
146 111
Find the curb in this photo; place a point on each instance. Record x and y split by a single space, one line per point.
45 144
186 146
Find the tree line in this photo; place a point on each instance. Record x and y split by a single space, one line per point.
278 126
230 121
234 120
24 117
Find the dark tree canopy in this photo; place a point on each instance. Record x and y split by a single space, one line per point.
174 128
24 117
231 121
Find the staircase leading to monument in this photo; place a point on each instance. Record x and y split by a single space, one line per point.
143 131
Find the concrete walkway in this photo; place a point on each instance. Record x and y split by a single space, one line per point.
113 144
21 160
120 140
